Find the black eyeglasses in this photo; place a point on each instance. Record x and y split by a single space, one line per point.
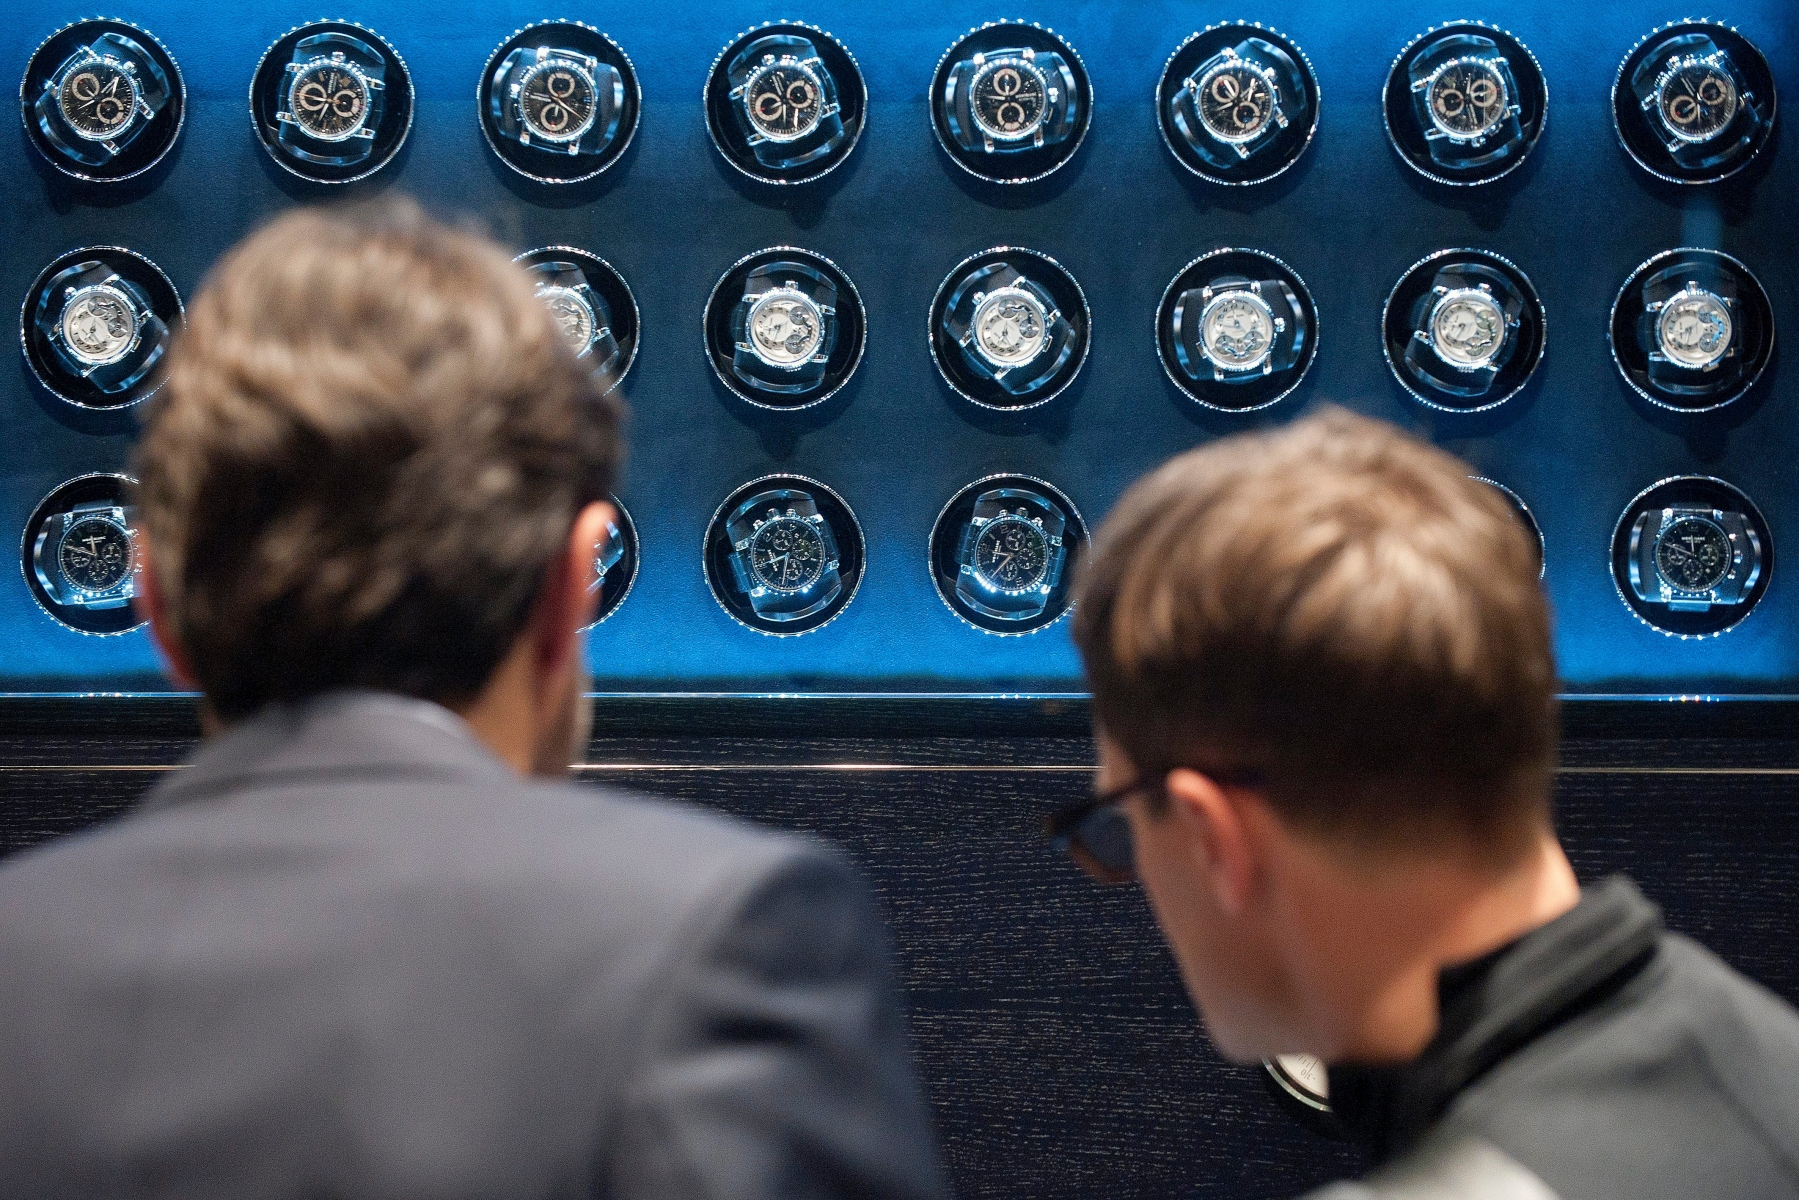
1096 834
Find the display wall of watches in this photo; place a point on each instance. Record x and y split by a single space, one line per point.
1463 330
559 102
1237 329
1691 556
79 554
1003 551
1011 102
1694 102
331 102
785 328
1526 518
785 103
1237 103
1465 103
1692 330
593 307
1010 328
102 101
615 562
95 325
784 555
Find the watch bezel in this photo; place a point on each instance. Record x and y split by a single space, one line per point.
627 528
852 553
67 41
852 104
1397 330
107 486
389 135
1533 103
846 355
1622 339
1214 396
1629 123
1056 279
1199 46
567 35
605 279
1696 491
1035 36
79 393
941 544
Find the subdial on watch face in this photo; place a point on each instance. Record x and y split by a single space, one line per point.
1693 555
1694 328
330 100
1697 100
1235 102
1236 330
98 325
783 99
1009 98
1467 328
556 100
573 314
1011 554
785 328
786 553
1010 327
98 100
1467 99
95 555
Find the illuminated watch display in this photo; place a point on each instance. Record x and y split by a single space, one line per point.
102 101
785 103
1691 556
80 555
1694 102
1464 330
1001 553
558 102
1692 329
1010 102
331 102
1237 104
96 324
784 555
785 328
1465 103
1009 328
1236 329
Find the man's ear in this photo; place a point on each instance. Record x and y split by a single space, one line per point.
149 604
1222 842
569 598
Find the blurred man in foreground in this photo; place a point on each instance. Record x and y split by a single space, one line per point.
354 949
1325 705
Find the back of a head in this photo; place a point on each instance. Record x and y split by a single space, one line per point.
371 444
1339 607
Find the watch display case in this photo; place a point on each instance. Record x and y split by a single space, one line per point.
102 101
592 305
1694 102
1237 104
559 102
95 325
1465 104
1692 330
1237 329
331 102
785 328
79 554
784 555
1463 330
785 103
1011 102
615 562
1010 328
1692 556
1003 553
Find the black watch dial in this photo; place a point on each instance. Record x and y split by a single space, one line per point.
98 100
1694 102
1693 554
1011 553
787 554
558 101
330 100
77 559
95 554
1465 103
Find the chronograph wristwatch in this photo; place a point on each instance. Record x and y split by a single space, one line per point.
1465 96
101 327
84 557
1699 102
101 99
1233 329
331 100
785 101
784 327
1009 329
1011 554
1464 330
1692 329
1011 99
1236 104
1693 558
784 557
557 101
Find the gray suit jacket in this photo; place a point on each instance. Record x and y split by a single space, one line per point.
348 953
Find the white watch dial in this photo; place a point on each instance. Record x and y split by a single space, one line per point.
1010 326
1694 328
785 328
573 314
99 324
1236 330
1467 328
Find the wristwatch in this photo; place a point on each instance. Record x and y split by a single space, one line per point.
332 99
1234 329
101 98
581 313
784 327
785 102
1700 106
101 327
557 101
1009 328
1693 558
784 558
1465 329
1692 330
85 557
1011 99
1237 103
1466 100
1011 554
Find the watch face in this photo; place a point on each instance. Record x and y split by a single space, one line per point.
1011 554
1693 555
98 325
558 100
1009 97
574 315
1696 99
786 553
1010 327
95 555
1467 328
1467 99
98 100
1235 102
1694 328
785 328
1236 330
329 99
783 99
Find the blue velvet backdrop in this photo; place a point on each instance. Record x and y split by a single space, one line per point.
1350 218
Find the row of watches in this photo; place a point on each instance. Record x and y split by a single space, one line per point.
1463 330
784 554
1011 102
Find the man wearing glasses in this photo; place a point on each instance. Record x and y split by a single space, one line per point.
1325 704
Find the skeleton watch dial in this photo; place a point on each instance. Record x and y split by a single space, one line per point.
1694 328
1012 553
1010 97
786 553
1236 330
1010 326
558 99
99 100
329 98
95 555
573 315
1696 98
785 328
783 98
1693 555
1468 328
1467 99
99 324
1235 101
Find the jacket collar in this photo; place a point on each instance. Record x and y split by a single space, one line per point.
341 734
1494 1006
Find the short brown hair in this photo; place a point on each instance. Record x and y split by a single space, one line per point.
371 444
1338 608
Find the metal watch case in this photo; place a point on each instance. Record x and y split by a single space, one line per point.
331 102
102 101
592 305
1237 104
1009 328
785 103
1694 102
785 328
1692 330
1011 102
1002 553
1463 330
1236 329
1465 103
1691 556
95 325
559 102
79 554
784 555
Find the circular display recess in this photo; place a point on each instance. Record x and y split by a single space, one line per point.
558 102
1692 330
102 101
1694 102
1463 330
1237 329
784 555
1525 517
785 328
331 102
95 325
1300 1085
1237 104
1691 556
79 555
1465 103
1011 102
1003 553
615 563
593 305
1010 328
785 103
